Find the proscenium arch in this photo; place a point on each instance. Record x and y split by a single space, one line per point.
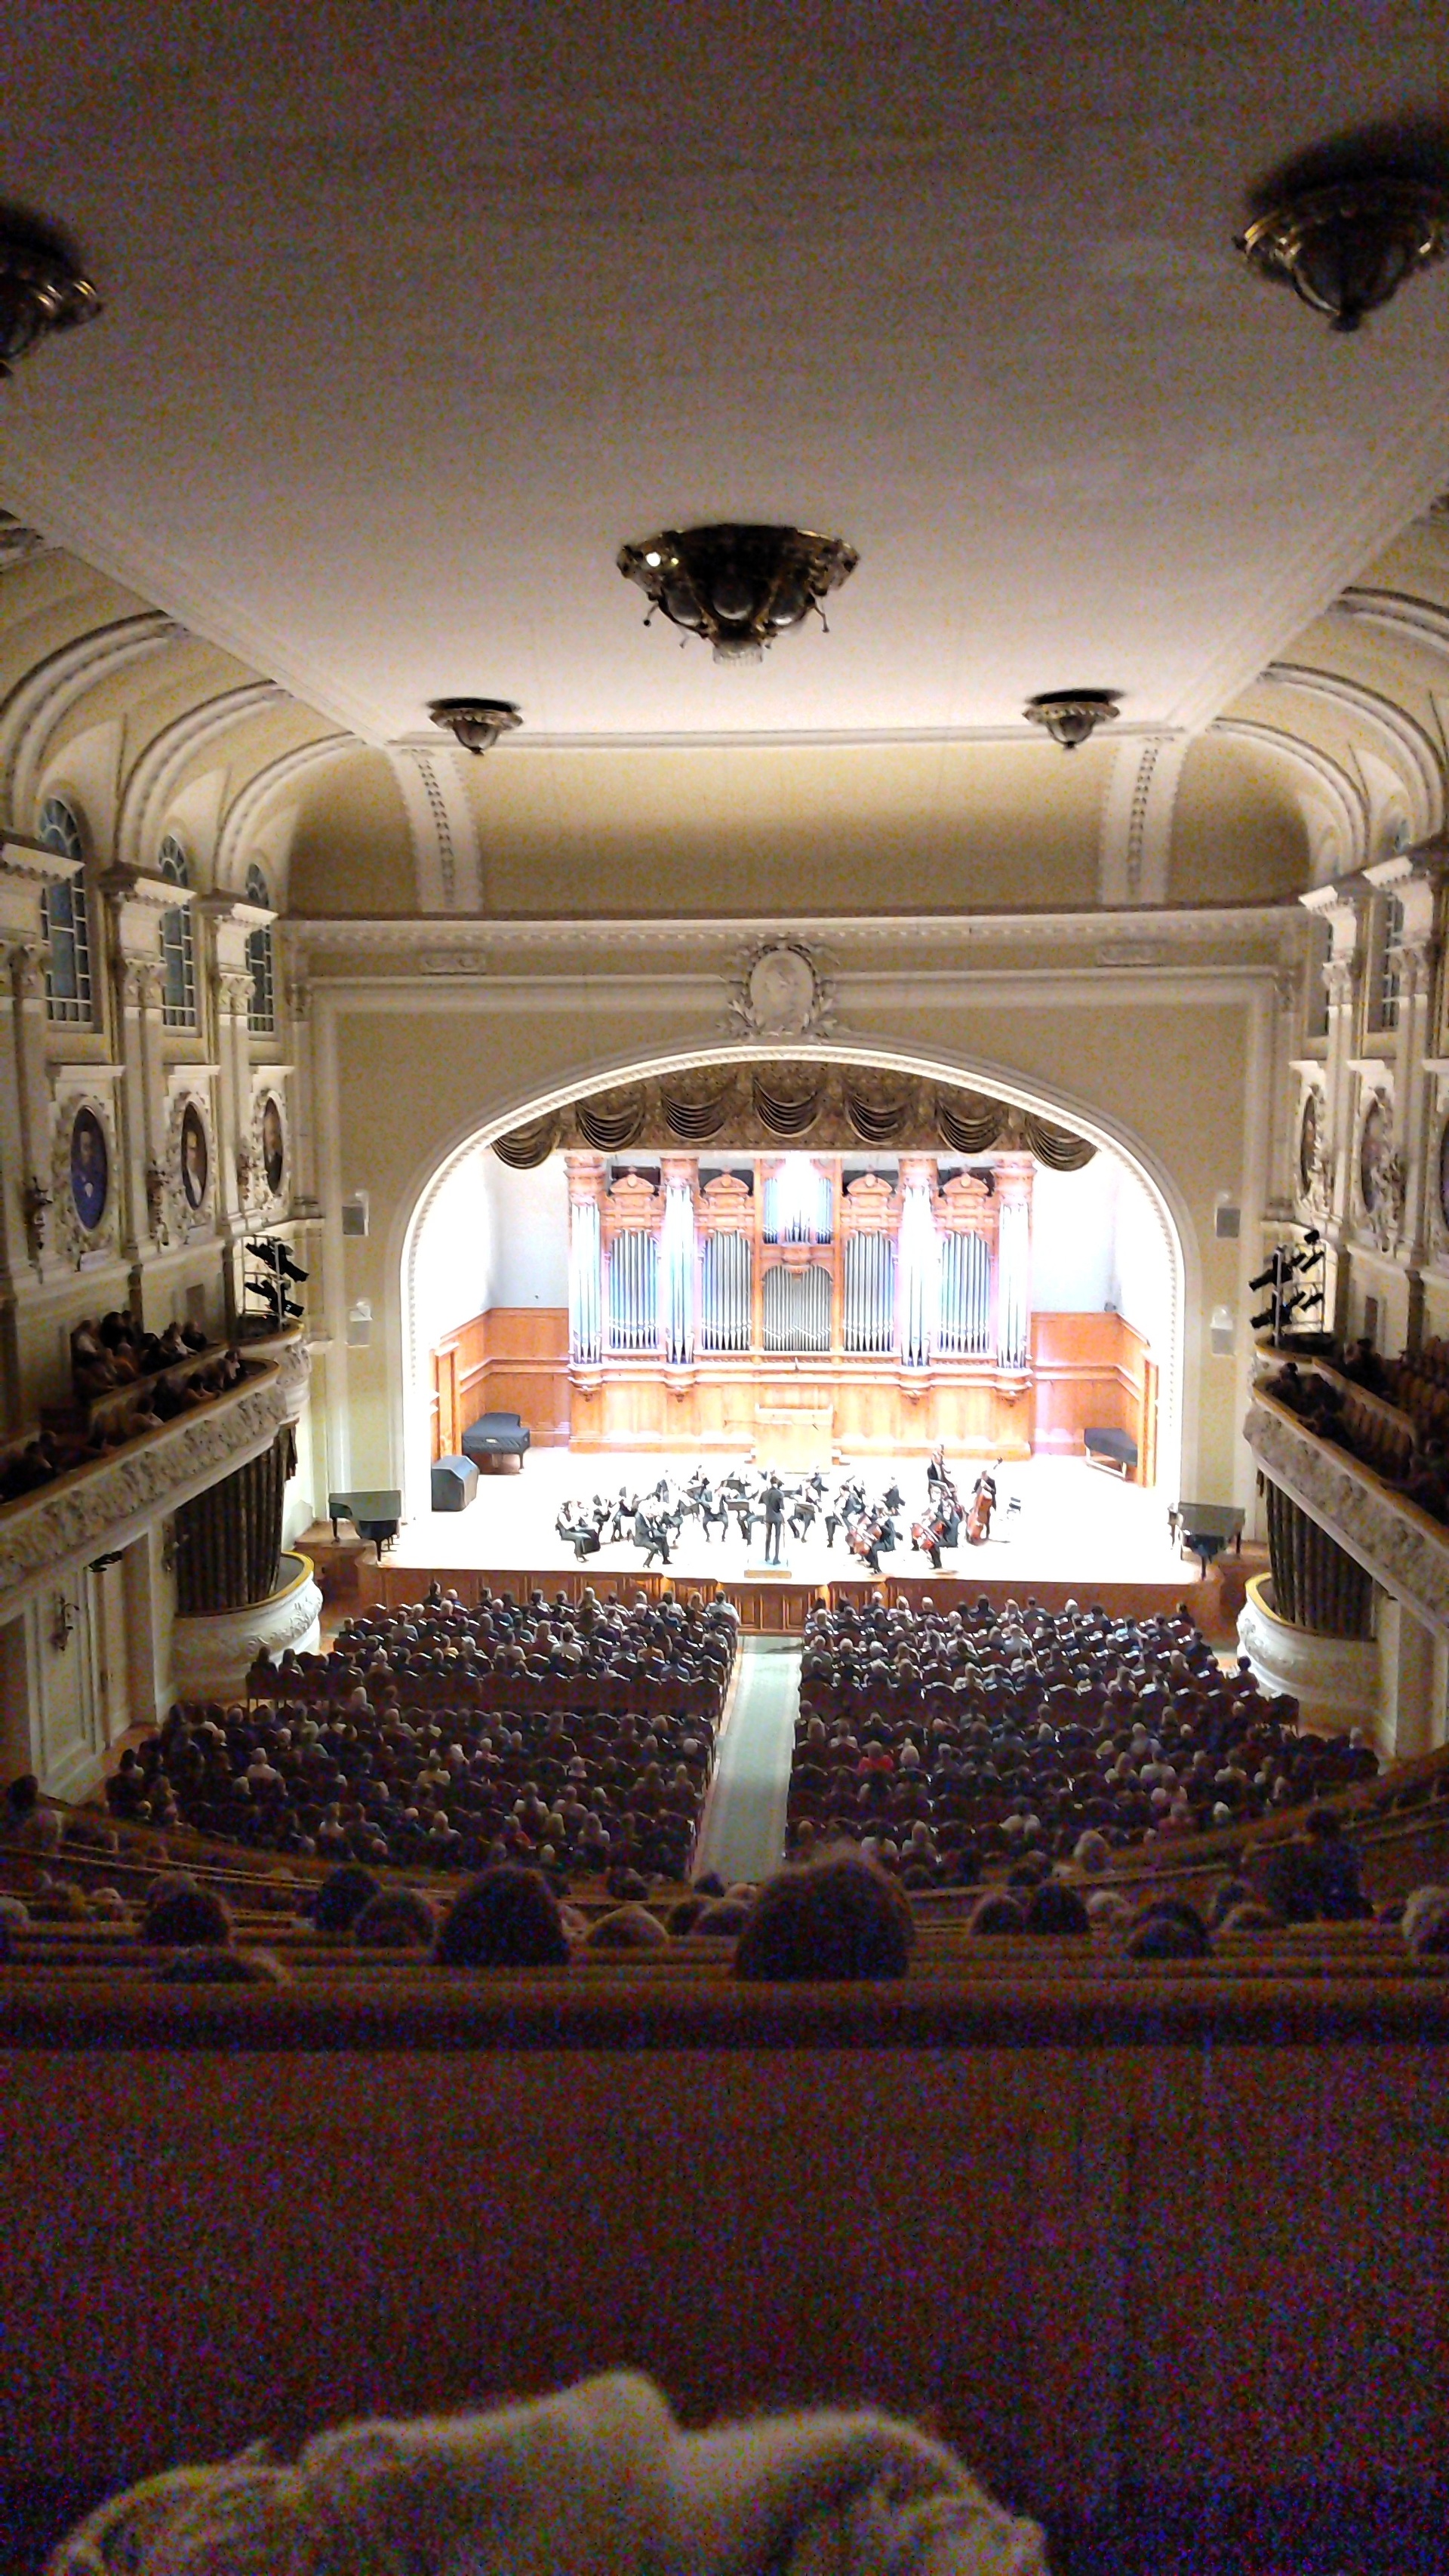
406 1361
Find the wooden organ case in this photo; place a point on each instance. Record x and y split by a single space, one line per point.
788 1304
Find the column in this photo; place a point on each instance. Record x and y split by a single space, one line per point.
586 1265
1412 1718
677 1260
918 1278
1013 1262
1342 977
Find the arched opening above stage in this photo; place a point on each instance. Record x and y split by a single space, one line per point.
985 1278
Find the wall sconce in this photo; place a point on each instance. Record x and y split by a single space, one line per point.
63 1623
156 1201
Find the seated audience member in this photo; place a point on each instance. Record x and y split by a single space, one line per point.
998 1913
1168 1928
507 1917
1248 1916
341 1898
179 1915
1425 1923
1053 1908
627 1927
1334 1864
836 1917
396 1918
211 1963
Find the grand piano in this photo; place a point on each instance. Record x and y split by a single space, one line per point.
375 1515
495 1435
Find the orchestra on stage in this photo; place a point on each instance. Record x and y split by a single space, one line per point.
762 1502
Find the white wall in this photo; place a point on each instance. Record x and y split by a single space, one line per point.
1142 1274
529 1234
454 1253
1073 1237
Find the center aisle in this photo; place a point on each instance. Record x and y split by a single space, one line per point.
744 1826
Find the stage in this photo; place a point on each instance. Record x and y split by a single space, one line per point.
1075 1524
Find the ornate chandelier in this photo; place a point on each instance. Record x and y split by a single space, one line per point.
737 586
1347 247
1072 716
41 286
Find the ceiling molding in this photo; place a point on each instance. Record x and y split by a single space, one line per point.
447 864
243 815
33 711
161 766
111 545
1414 748
1400 482
1343 790
1137 811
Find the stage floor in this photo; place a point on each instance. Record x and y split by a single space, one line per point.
1076 1524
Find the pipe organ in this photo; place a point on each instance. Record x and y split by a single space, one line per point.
800 1304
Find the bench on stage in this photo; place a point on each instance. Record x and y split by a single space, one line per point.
1114 1450
376 1515
495 1435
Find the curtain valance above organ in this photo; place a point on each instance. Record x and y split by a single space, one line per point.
754 1108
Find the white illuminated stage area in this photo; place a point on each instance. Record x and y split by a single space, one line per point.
1075 1524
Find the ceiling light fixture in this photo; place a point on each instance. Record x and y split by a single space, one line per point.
1346 248
1071 716
41 286
737 587
476 723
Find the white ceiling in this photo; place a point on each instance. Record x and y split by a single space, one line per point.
413 315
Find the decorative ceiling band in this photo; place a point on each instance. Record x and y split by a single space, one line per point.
874 1125
785 1117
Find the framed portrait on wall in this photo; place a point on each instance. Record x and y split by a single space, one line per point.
274 1145
1374 1144
90 1169
1308 1144
195 1158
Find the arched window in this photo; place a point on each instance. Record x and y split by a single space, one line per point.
1385 965
262 1008
68 993
178 956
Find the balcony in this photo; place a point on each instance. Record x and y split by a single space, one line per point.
1401 1547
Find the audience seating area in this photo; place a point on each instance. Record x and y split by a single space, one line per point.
948 1741
580 1736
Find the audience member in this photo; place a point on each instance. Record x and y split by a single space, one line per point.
835 1917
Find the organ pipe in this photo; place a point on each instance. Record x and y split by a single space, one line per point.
1013 1301
586 1292
676 1262
920 1274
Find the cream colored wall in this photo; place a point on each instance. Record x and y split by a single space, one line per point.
1238 833
832 827
410 1082
351 849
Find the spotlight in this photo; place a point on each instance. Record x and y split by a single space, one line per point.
1266 1278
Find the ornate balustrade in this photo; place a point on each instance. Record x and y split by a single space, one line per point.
105 1505
1395 1542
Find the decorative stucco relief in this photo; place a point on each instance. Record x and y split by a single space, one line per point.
1395 1543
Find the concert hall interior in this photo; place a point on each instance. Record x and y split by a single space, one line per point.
724 1195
